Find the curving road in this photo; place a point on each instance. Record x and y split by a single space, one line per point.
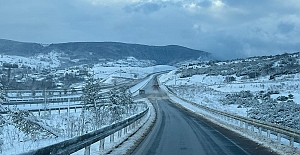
177 132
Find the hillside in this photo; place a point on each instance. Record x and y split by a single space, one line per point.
20 48
264 88
91 52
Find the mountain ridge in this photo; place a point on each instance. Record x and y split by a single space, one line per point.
94 51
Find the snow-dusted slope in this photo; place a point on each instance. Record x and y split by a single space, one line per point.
264 88
49 60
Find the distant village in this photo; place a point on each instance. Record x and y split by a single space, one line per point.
17 75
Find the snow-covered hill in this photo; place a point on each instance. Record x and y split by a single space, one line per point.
50 71
41 61
92 52
264 88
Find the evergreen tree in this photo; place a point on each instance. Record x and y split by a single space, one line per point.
122 103
90 92
91 98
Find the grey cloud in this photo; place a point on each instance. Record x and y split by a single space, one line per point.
153 6
248 3
236 34
205 4
285 27
146 8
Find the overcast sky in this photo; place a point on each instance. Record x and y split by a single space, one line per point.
227 28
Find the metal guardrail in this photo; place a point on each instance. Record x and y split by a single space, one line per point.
59 109
86 140
39 100
42 91
292 134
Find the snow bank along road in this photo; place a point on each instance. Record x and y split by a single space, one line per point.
179 132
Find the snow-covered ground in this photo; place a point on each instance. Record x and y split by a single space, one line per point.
16 142
129 140
209 90
205 89
108 73
49 60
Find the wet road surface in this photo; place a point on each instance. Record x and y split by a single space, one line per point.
178 132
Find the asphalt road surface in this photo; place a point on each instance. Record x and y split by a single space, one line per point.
177 132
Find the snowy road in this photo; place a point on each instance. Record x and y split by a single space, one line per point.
179 132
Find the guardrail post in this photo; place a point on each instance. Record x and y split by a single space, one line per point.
278 137
259 130
112 137
241 124
292 141
134 124
75 108
59 110
119 133
87 150
268 133
125 130
101 147
246 126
